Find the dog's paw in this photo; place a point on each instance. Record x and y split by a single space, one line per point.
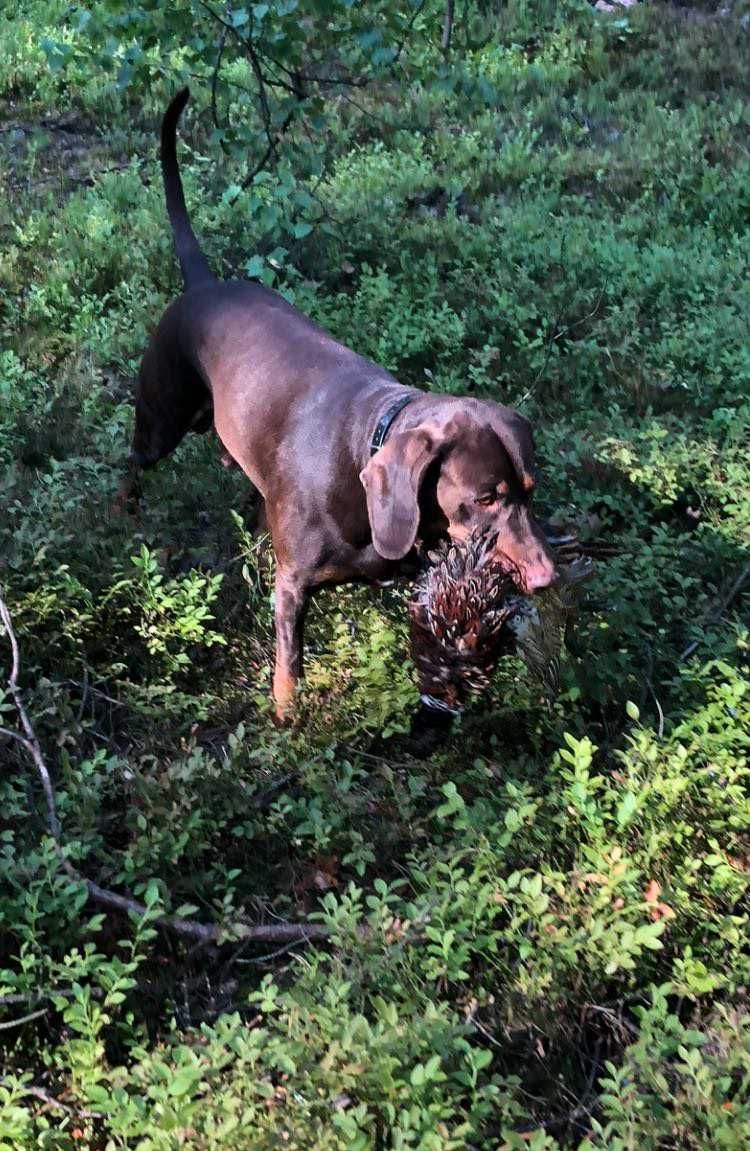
125 504
284 694
429 732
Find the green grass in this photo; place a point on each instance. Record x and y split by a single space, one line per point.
540 933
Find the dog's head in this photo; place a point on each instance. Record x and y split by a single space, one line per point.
473 472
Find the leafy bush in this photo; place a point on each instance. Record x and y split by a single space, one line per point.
537 937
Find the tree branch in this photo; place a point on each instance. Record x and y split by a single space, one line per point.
261 62
270 150
214 82
275 933
247 44
447 26
407 33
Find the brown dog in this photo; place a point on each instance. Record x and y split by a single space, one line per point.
307 421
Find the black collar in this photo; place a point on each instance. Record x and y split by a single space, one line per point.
384 424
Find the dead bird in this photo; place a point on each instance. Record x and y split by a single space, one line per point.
466 614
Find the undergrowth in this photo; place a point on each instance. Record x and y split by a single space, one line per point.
539 935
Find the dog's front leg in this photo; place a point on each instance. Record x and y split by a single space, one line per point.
128 495
291 596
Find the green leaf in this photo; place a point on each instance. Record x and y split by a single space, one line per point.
255 267
184 1080
626 808
152 893
648 935
432 1067
454 802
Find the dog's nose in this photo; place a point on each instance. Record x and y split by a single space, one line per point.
539 575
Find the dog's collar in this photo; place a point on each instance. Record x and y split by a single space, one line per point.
433 704
384 424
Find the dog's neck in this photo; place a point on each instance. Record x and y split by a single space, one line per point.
387 420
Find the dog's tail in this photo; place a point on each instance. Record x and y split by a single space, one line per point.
194 265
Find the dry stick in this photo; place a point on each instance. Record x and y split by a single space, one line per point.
23 1019
275 933
721 606
447 26
40 1093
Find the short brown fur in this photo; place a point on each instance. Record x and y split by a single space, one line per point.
297 411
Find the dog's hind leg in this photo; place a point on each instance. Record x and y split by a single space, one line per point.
171 400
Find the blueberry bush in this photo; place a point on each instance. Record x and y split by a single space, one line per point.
538 936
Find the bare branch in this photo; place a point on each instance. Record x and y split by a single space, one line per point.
275 934
261 62
270 150
718 610
31 742
407 33
265 110
298 78
214 82
247 44
448 25
50 1101
6 1026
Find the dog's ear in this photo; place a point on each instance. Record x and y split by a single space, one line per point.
391 481
514 432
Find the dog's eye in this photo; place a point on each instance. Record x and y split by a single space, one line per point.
487 499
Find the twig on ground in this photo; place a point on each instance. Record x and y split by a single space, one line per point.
717 611
282 933
8 1023
34 997
623 1026
89 690
263 800
572 1119
51 1101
